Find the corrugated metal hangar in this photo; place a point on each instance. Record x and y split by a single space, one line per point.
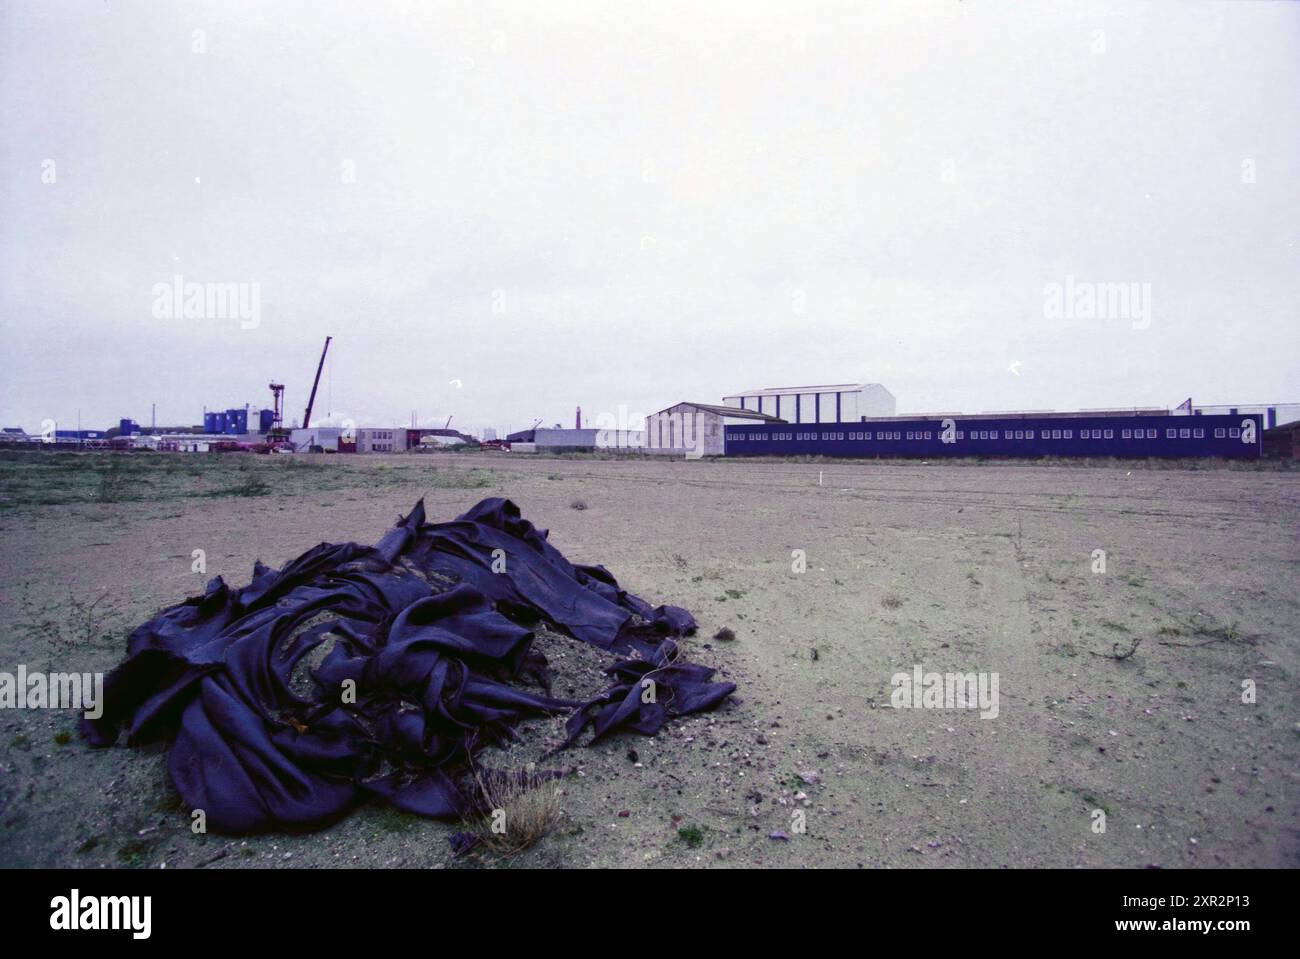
840 403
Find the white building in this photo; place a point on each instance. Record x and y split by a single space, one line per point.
381 439
1272 414
326 437
838 403
696 428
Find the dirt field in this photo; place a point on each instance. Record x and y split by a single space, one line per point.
954 567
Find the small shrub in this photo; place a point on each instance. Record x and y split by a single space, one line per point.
520 810
693 836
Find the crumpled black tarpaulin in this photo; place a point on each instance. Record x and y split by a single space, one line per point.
435 645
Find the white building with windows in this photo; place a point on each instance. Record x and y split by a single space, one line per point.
385 439
836 403
696 428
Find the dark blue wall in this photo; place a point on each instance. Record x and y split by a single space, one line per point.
974 437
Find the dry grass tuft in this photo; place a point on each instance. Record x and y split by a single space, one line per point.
520 810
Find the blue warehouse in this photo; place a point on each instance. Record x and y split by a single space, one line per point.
1117 434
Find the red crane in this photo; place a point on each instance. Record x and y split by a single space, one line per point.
311 401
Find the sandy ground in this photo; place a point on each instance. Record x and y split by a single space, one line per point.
955 567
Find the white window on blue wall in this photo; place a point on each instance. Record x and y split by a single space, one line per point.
1219 433
1171 434
1198 433
1185 434
1234 432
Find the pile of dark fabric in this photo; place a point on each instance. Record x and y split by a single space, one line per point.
419 654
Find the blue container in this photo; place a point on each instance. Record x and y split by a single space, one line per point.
236 422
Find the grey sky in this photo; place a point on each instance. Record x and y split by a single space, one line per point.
671 201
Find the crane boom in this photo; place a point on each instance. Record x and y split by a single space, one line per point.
311 401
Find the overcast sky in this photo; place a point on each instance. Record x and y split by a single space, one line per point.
504 211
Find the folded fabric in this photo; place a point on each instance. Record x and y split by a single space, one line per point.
382 670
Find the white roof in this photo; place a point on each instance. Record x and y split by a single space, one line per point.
789 390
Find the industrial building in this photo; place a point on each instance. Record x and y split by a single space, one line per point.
425 437
383 439
839 403
1273 414
697 428
538 440
1087 433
